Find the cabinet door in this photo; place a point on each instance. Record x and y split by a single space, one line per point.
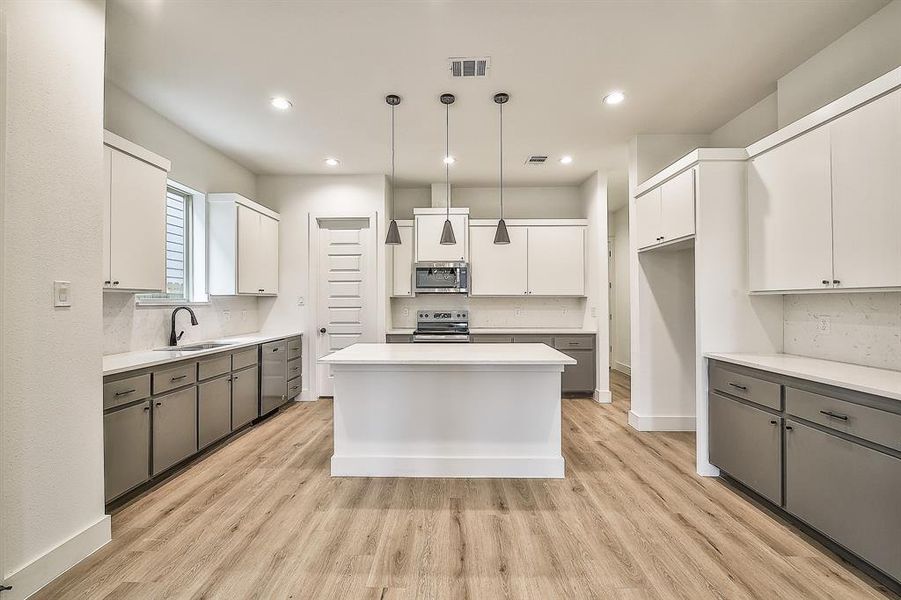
126 449
866 195
402 257
245 397
648 226
137 224
746 443
174 428
213 410
250 279
428 238
267 256
677 201
846 491
556 260
580 376
498 269
790 215
107 190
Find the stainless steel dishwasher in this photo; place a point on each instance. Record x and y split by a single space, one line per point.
274 378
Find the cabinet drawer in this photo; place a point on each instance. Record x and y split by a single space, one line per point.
295 348
294 369
218 365
846 491
746 387
123 391
547 340
294 387
245 358
871 424
570 342
398 338
491 338
169 379
746 443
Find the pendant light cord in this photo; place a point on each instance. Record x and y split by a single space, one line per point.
501 106
393 211
446 156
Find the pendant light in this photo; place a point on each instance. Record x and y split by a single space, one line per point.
393 237
501 236
447 233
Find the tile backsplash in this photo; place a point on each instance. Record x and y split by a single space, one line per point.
512 313
860 328
128 327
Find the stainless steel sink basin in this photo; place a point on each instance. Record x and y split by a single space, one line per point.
195 347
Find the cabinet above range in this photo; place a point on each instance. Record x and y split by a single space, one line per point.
243 246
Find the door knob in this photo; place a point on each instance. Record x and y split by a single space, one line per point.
322 330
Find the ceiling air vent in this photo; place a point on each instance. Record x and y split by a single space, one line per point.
536 159
469 67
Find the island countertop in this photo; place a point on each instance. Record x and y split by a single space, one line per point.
448 354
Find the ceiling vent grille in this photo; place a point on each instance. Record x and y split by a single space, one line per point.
536 159
469 67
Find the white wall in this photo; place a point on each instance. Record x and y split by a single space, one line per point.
621 334
51 442
654 152
496 313
296 198
553 202
593 193
753 124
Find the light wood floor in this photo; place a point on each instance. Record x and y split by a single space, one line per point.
262 518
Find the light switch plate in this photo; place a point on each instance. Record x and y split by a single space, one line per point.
62 294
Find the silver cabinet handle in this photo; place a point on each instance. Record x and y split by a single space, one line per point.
125 393
179 378
829 413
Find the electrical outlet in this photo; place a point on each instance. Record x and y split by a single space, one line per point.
517 311
824 325
227 315
594 311
300 301
406 311
563 310
61 294
244 315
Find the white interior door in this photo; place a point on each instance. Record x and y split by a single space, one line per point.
346 299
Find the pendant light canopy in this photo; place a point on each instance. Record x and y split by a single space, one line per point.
501 236
393 237
447 233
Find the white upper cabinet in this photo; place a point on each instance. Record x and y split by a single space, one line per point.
498 269
790 215
866 195
667 212
402 261
243 246
556 260
134 226
428 236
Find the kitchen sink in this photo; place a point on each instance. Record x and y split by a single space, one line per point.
195 347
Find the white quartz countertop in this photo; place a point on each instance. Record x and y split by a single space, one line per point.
129 361
511 331
870 380
451 354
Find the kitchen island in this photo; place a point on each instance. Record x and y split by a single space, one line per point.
447 410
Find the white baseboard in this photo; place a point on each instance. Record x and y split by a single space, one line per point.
623 368
35 575
442 466
661 422
708 470
603 396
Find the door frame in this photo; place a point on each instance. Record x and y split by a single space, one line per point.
376 262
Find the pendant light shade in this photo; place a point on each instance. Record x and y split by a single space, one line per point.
393 237
447 232
501 236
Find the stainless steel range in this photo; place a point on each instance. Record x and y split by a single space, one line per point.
442 326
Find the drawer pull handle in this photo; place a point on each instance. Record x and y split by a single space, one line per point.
743 388
159 403
774 422
147 408
125 393
829 413
789 428
295 349
179 378
275 349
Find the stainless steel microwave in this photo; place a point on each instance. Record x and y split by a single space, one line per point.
441 278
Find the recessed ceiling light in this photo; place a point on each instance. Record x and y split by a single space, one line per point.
281 103
332 162
566 159
614 98
449 160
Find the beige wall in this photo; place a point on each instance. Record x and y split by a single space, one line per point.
753 124
553 202
620 334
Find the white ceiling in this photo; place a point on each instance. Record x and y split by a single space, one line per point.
685 67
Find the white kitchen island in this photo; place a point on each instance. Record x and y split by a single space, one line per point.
447 410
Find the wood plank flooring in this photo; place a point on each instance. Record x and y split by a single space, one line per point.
262 518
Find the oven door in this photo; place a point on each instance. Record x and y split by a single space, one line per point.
447 278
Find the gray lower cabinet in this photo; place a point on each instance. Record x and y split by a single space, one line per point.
126 449
847 491
213 410
398 338
245 396
746 443
491 338
274 375
174 428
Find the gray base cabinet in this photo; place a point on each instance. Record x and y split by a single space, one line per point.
847 491
274 377
213 410
126 449
245 397
174 428
746 443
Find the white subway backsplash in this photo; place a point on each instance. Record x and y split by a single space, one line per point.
860 328
508 313
128 327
